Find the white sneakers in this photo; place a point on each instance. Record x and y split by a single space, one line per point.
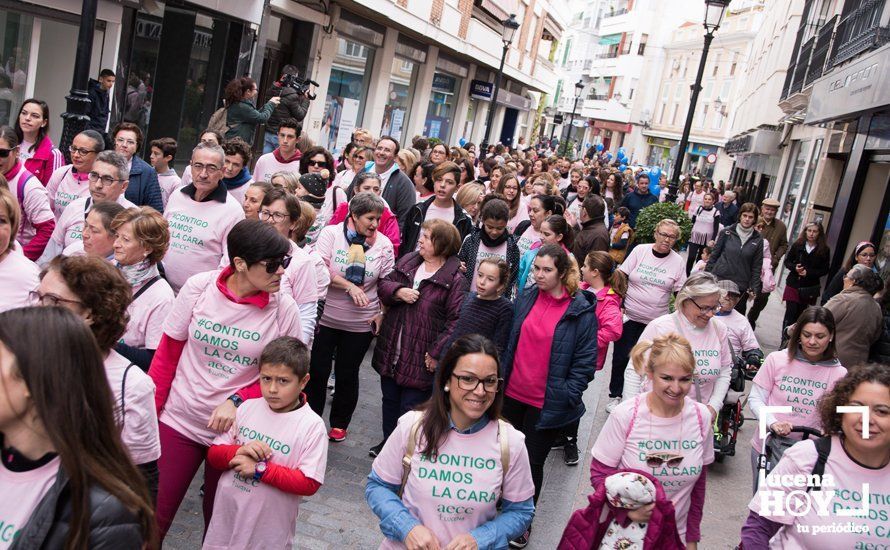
613 402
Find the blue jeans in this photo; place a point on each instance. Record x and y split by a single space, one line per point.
397 400
270 142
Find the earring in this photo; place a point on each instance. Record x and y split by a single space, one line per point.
447 388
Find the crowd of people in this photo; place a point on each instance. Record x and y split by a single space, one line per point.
200 320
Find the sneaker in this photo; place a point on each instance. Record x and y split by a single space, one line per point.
559 443
375 450
613 402
571 452
337 435
522 540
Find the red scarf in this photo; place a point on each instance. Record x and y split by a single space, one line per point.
277 154
260 299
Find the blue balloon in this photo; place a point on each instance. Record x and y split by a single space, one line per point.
655 172
609 155
621 150
462 142
623 167
621 155
599 147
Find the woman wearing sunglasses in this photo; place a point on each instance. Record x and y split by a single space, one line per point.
212 341
693 319
663 431
457 433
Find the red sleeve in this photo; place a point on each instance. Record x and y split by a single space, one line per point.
339 214
250 392
599 472
35 246
219 456
290 480
696 508
163 368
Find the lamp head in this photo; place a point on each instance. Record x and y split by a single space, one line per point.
510 27
714 11
579 87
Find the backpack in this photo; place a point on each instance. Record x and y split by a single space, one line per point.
218 121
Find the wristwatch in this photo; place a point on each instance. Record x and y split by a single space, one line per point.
236 399
259 470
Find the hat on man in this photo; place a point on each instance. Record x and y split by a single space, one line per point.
729 287
769 201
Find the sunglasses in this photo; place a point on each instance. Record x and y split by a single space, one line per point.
273 264
317 163
4 153
655 460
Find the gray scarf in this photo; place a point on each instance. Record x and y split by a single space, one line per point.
744 234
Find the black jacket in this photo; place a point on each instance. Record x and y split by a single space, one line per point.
469 252
416 217
144 189
815 262
293 105
112 525
740 264
99 107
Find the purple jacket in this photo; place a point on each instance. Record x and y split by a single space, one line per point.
425 325
587 527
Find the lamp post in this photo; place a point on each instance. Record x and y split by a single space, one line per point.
579 87
77 101
509 31
714 11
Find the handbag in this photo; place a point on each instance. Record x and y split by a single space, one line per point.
809 293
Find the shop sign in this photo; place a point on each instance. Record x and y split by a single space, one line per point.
701 150
514 101
479 89
740 144
660 142
557 119
855 88
443 83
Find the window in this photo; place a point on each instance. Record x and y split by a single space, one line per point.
15 46
718 121
708 90
678 91
716 65
674 115
661 115
565 53
665 91
702 116
402 80
732 69
725 89
641 49
626 40
347 88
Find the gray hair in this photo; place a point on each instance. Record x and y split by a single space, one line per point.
863 276
363 203
118 161
698 285
730 194
217 149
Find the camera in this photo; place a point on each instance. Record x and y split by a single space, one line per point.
300 85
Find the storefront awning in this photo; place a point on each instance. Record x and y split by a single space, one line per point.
610 39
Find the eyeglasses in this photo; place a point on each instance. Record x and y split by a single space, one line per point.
470 383
273 264
124 141
80 151
106 180
666 236
4 153
317 163
655 460
714 309
35 297
277 217
197 167
864 254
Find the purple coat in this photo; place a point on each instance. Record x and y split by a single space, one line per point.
587 527
425 325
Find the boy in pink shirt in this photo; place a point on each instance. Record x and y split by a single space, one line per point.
274 454
286 158
163 151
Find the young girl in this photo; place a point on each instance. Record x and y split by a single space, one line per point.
276 450
486 311
492 240
705 256
554 230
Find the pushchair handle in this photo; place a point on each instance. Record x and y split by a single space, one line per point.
806 431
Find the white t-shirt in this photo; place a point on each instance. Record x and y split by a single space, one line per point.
650 282
140 419
466 478
23 491
267 165
63 187
484 252
18 277
251 514
147 315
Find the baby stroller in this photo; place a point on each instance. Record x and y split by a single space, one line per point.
774 446
731 417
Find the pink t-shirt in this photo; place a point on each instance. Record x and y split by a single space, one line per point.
238 193
485 251
169 182
710 348
224 340
521 216
198 232
322 275
251 514
147 315
24 491
35 201
527 240
18 277
632 431
465 478
69 227
818 528
741 335
267 165
299 278
795 383
64 187
340 312
437 213
140 420
650 282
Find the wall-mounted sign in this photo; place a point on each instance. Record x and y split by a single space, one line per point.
479 89
712 158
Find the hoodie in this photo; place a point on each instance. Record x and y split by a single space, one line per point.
99 107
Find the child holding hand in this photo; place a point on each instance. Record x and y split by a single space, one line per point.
274 454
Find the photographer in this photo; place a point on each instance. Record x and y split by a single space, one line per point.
294 104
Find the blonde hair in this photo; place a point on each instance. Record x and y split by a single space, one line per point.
12 210
469 194
667 349
149 227
291 181
548 180
667 222
406 158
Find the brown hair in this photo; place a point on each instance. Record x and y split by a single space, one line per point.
149 227
307 218
749 207
517 200
236 88
130 127
8 202
444 236
818 315
608 268
166 145
503 270
565 266
840 394
446 167
237 146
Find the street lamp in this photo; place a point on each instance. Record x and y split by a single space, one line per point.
77 102
579 87
714 11
509 31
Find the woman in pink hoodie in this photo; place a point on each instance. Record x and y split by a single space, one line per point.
36 150
389 226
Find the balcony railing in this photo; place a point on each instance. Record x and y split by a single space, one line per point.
597 97
821 48
860 31
800 68
615 13
607 55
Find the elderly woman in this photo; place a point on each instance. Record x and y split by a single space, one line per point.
18 274
654 271
857 314
200 217
864 253
422 297
141 240
94 290
738 254
143 188
357 257
693 319
219 324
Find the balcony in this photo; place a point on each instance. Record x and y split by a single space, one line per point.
811 63
607 55
860 31
821 48
615 13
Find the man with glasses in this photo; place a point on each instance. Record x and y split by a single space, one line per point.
70 182
395 187
107 181
144 188
200 217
